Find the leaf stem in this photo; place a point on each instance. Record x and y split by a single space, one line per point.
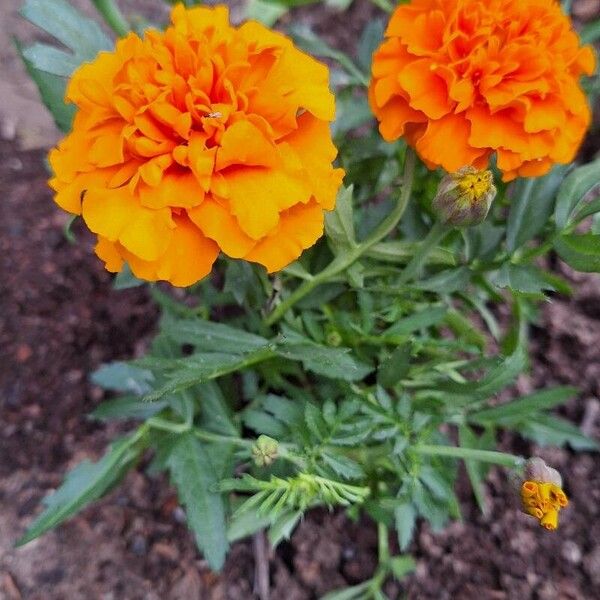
342 262
113 16
489 456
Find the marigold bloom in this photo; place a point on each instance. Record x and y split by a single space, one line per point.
199 139
462 79
542 496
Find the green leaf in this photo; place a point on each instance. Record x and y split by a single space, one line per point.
531 206
590 33
216 414
51 60
84 484
573 191
522 278
208 336
198 368
239 280
194 477
339 223
580 252
355 592
334 363
402 565
446 282
370 39
395 368
420 320
246 523
265 11
52 92
306 39
125 279
83 36
522 409
405 516
502 374
128 407
548 430
283 526
342 465
123 377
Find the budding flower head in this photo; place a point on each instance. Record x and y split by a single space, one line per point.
264 451
464 198
541 493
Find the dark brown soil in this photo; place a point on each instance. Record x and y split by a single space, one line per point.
60 319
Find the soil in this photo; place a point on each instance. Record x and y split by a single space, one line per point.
60 319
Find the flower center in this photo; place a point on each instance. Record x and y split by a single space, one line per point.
475 186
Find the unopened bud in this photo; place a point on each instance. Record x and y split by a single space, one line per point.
464 198
264 451
333 337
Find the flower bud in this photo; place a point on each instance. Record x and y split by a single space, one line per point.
464 198
264 451
542 496
333 337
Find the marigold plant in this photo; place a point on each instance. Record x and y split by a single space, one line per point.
201 139
360 373
464 79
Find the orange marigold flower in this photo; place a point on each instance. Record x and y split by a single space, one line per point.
199 139
462 79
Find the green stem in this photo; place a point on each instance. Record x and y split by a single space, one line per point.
209 436
342 262
433 238
112 16
489 456
383 544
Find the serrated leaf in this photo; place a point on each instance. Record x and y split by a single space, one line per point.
84 484
208 336
194 477
216 414
523 408
573 191
342 465
334 363
392 370
580 252
522 278
549 430
122 377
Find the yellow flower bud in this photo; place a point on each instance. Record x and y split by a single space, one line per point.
264 451
464 198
